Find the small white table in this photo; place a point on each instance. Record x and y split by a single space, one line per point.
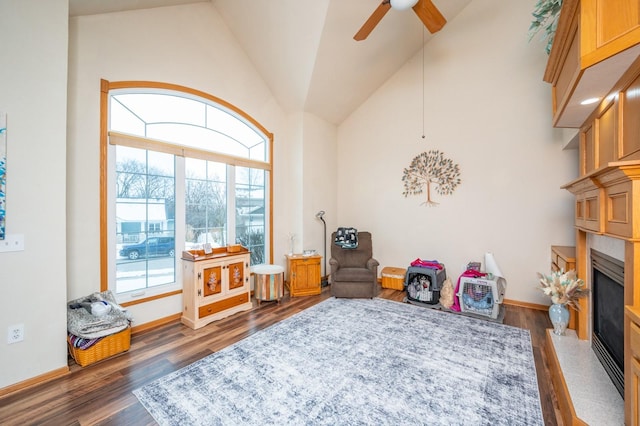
268 282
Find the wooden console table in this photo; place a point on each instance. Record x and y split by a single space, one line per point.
214 286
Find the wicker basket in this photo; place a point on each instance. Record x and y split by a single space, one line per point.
109 346
393 278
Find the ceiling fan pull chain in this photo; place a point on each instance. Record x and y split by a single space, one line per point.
423 84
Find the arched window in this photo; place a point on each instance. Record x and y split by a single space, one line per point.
181 169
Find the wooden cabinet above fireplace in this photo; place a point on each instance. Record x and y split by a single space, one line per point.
596 53
607 198
607 190
595 42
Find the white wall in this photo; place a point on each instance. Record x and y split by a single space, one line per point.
309 184
492 117
488 110
188 45
289 190
320 181
33 81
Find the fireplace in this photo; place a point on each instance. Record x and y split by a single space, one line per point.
607 274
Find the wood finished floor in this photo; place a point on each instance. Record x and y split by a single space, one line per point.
101 393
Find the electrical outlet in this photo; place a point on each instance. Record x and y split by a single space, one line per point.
15 333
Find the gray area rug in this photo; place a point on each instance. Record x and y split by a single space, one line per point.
359 362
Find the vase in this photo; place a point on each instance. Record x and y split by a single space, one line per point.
559 315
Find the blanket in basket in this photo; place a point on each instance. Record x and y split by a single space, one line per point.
81 323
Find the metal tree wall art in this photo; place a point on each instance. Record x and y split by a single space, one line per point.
431 171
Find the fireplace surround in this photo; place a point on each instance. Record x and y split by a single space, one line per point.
626 250
602 399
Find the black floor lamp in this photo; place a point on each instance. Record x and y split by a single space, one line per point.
320 215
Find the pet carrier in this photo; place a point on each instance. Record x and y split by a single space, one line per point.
424 284
481 296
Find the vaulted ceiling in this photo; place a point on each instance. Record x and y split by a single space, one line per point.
304 49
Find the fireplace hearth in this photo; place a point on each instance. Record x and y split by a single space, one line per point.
608 315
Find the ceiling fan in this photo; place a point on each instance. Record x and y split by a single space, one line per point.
425 9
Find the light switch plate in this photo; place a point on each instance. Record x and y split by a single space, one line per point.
12 242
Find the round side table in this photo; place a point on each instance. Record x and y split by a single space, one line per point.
268 282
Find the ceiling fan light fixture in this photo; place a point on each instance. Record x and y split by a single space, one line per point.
403 4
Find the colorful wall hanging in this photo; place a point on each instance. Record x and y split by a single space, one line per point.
3 172
431 171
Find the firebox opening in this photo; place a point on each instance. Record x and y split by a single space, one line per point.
608 315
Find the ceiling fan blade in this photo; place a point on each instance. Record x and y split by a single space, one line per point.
429 15
373 20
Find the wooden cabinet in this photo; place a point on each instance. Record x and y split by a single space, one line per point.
608 188
563 258
632 365
215 287
634 404
303 275
596 54
595 42
607 28
629 148
599 138
589 211
587 151
607 199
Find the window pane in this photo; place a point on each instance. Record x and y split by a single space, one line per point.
205 202
198 137
229 125
124 120
216 170
145 216
250 212
186 121
163 108
161 164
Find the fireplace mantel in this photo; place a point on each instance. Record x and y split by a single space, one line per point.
606 200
